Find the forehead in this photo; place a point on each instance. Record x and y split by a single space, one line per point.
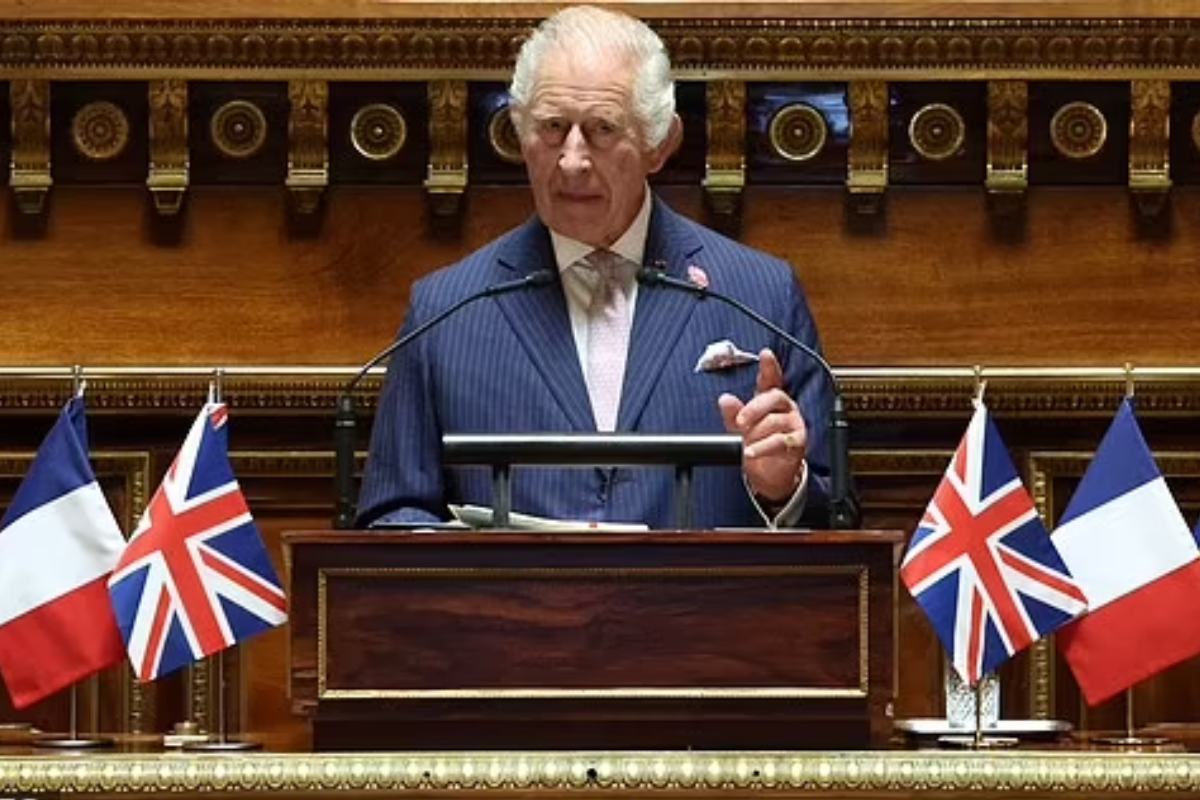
582 82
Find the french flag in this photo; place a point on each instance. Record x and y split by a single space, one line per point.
1134 556
58 543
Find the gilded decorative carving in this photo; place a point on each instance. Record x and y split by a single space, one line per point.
861 774
100 131
798 132
937 132
238 129
169 161
446 180
870 392
503 137
725 162
1008 144
378 131
308 148
30 175
740 48
1150 144
867 176
1078 131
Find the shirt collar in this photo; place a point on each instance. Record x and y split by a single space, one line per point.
631 246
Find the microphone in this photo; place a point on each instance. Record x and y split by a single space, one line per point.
344 421
842 512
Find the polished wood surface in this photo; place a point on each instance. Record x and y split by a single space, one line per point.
643 641
933 288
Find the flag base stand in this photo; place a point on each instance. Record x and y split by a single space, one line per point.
74 742
1130 742
221 746
219 741
972 742
15 727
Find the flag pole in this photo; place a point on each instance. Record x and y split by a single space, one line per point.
73 740
222 742
1131 739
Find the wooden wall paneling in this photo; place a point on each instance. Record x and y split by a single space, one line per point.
895 486
287 489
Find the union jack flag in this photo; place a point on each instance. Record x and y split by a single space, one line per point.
195 577
981 564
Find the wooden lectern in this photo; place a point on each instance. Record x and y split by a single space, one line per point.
498 640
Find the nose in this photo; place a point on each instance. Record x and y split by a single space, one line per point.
574 157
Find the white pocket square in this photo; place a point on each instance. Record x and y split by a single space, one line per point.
723 355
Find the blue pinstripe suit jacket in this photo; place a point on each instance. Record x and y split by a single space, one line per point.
509 364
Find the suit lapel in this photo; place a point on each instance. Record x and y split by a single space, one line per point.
541 323
661 314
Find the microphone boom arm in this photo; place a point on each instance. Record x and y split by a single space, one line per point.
842 509
345 420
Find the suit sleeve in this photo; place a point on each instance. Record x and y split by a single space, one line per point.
810 387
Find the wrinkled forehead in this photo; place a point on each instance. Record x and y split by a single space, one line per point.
588 64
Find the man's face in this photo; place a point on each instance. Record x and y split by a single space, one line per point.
584 151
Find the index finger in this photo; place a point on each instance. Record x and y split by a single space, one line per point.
770 373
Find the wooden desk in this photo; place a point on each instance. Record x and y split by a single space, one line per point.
584 641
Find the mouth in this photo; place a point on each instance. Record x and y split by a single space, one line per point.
578 197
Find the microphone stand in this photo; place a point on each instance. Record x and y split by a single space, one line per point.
345 418
842 511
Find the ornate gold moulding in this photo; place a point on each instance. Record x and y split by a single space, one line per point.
870 391
781 48
958 774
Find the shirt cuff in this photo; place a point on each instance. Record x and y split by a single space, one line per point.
786 515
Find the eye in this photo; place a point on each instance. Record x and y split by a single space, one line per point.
601 132
553 130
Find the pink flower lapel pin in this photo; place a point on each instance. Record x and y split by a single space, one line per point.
697 276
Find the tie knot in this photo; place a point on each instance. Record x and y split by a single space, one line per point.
610 266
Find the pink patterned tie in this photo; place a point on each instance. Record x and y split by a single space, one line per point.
608 337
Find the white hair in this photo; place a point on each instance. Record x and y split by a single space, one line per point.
611 36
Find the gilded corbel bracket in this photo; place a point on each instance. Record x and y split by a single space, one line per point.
168 178
308 145
1007 179
867 168
446 181
1150 146
725 164
30 168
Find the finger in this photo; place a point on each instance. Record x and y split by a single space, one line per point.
784 443
770 373
730 407
759 407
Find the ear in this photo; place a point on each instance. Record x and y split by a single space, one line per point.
660 154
